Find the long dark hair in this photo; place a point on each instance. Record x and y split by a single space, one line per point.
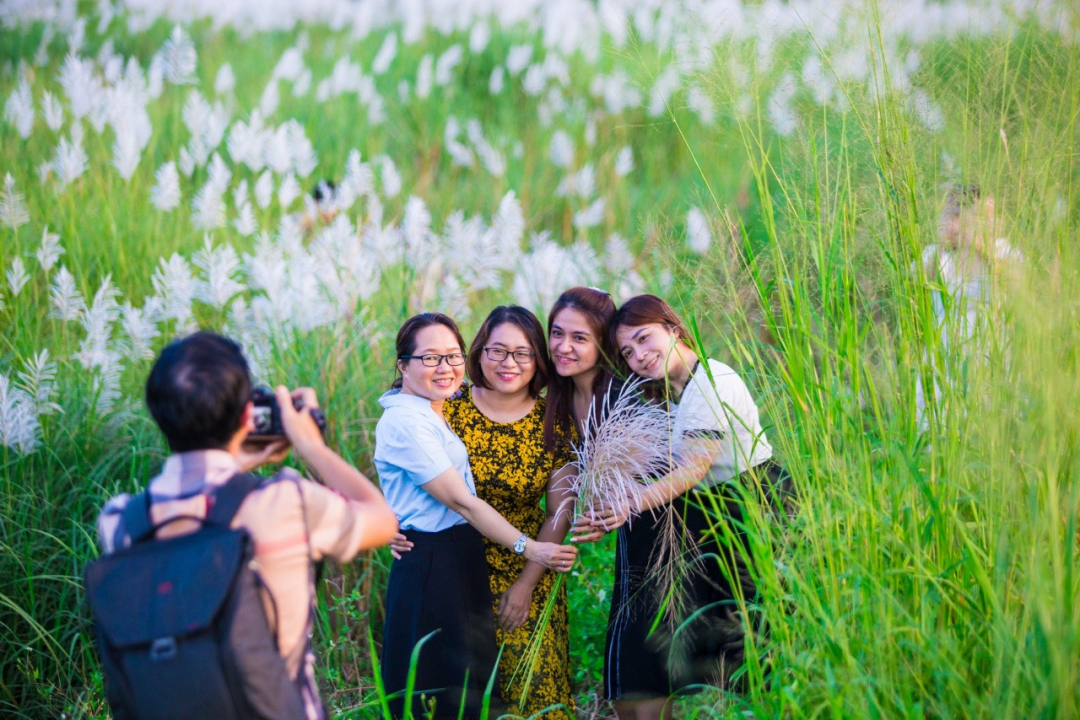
529 324
646 310
598 309
406 337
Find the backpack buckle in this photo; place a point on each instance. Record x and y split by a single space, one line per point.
163 649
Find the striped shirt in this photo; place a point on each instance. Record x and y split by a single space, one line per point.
292 523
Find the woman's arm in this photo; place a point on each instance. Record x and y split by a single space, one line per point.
515 602
450 489
692 469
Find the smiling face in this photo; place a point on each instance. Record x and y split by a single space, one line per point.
433 383
573 346
649 350
508 375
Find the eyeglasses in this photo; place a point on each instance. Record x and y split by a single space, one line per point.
434 360
521 357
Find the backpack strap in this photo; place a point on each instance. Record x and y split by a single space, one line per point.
230 496
135 522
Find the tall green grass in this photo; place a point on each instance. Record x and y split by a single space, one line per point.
928 572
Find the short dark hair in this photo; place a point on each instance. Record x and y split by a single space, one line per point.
197 390
529 324
405 344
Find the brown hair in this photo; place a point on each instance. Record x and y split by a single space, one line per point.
406 337
598 309
646 310
529 324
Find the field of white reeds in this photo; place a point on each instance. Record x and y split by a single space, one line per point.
774 169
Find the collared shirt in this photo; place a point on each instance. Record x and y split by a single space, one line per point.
722 408
292 523
413 446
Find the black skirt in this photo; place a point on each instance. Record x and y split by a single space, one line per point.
441 584
646 655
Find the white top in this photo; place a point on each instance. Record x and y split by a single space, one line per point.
965 302
722 407
413 446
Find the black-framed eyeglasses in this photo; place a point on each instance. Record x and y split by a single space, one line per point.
434 360
521 357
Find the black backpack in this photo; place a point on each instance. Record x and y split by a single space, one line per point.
181 626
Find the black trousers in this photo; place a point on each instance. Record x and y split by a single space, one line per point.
440 586
645 658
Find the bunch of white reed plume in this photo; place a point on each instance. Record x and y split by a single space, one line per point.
626 442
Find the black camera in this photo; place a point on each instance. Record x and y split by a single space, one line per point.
267 415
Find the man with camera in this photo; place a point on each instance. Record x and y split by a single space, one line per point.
199 394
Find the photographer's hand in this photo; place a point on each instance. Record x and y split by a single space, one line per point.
331 468
256 454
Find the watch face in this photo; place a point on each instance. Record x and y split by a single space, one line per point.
519 546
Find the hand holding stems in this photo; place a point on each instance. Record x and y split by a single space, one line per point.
596 522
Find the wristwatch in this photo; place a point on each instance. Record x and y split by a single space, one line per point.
519 544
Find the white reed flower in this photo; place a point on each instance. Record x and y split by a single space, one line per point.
165 195
97 319
246 141
131 126
781 110
391 179
13 212
288 191
562 149
479 37
304 158
497 81
106 385
80 85
19 427
290 65
698 100
548 268
19 109
70 160
518 58
385 56
38 380
302 86
444 68
509 226
359 179
624 161
176 286
460 154
17 276
618 258
582 183
179 60
52 111
217 283
926 110
67 301
698 235
424 77
666 83
140 327
50 250
225 80
208 207
155 77
270 98
246 223
590 216
264 189
416 228
535 80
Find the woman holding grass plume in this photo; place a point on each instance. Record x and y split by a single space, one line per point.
438 593
500 418
700 581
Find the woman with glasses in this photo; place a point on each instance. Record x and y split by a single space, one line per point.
500 419
441 586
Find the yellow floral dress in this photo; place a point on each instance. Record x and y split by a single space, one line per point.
511 470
